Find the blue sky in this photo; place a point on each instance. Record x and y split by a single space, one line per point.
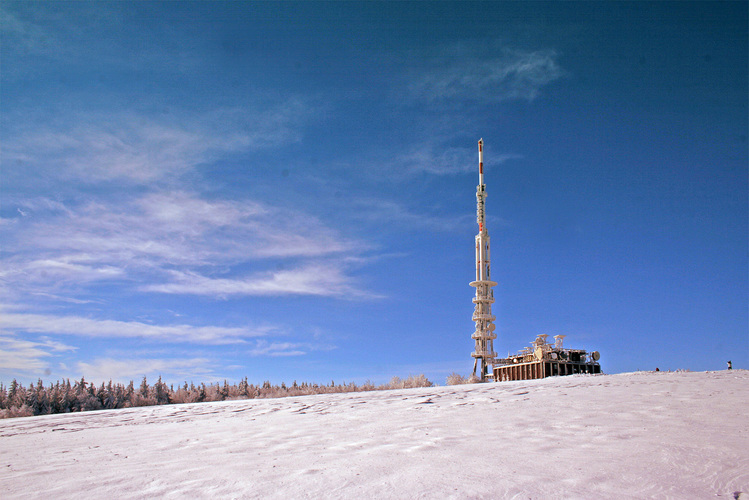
207 190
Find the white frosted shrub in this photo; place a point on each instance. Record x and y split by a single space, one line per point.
456 379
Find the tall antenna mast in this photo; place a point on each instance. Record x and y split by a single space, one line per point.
484 335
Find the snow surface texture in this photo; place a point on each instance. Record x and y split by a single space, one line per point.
637 435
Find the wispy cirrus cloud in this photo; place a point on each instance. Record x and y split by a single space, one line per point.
25 35
21 356
204 369
13 321
433 158
278 349
59 35
45 356
324 280
379 211
126 129
59 269
461 72
123 370
177 242
143 148
440 159
179 228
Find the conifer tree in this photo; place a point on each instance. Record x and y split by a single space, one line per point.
161 393
143 391
130 394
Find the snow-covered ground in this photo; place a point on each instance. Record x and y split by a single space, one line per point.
637 435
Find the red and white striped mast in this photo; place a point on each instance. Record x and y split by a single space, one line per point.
484 355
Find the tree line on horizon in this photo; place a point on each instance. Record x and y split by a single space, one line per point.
17 400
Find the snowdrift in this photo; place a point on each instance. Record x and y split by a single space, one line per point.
636 435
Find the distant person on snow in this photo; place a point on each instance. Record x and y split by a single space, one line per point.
730 366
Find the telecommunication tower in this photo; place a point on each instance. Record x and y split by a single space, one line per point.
484 355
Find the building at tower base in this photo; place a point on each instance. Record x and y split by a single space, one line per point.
543 359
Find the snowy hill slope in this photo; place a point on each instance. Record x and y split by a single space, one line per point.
664 435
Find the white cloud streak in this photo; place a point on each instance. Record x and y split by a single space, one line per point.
316 279
25 35
514 74
394 214
19 356
142 149
181 228
279 349
87 327
438 159
124 370
169 240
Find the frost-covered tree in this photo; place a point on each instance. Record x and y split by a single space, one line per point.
11 400
243 386
130 394
41 400
143 391
110 397
143 396
66 397
161 393
224 392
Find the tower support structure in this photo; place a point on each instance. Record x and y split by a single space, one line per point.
483 354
